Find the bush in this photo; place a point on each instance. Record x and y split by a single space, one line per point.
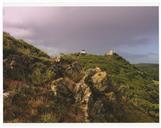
48 117
39 77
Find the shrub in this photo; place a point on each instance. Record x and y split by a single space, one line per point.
48 117
39 77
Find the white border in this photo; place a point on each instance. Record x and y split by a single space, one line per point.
159 64
83 125
81 2
72 3
1 63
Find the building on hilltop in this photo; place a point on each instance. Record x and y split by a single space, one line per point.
83 52
110 53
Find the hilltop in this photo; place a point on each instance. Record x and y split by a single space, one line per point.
75 88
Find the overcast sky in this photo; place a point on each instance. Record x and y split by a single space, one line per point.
132 32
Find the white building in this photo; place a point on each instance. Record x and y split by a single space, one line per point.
110 52
83 52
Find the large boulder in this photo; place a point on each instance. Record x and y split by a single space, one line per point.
83 90
63 90
74 71
97 79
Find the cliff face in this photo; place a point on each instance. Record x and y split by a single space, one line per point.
86 88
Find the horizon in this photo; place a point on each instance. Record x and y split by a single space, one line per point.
83 50
132 32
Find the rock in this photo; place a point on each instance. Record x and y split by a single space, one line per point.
62 91
97 111
74 71
111 96
98 78
84 90
83 98
6 94
94 78
97 69
12 64
56 59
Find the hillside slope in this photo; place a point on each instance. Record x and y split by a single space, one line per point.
77 88
151 69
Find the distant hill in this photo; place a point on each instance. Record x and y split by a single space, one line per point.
151 69
74 87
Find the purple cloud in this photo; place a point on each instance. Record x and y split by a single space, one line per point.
96 29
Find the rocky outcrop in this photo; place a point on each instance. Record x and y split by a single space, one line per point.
82 89
74 71
70 88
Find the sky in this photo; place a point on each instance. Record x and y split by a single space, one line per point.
132 32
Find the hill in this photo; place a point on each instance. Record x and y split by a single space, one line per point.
74 88
151 69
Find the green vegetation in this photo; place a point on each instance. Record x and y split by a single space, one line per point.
131 92
28 73
151 69
131 82
25 62
12 45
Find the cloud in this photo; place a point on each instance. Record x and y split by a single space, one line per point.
96 29
141 58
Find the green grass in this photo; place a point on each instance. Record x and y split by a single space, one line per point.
136 82
28 72
151 69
